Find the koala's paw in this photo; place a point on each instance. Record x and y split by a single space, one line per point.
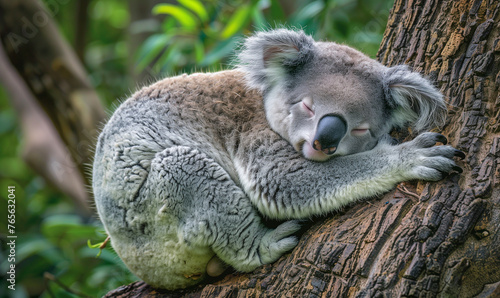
278 241
425 161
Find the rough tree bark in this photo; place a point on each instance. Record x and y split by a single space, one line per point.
422 239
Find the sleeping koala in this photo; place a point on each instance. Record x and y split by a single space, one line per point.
186 168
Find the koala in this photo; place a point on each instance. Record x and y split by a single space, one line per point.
186 169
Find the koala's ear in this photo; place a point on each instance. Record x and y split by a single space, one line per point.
268 58
414 99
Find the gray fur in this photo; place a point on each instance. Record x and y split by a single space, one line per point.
414 99
185 169
269 57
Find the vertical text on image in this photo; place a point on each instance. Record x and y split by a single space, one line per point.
11 237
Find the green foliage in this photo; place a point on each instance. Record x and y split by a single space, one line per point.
197 34
193 35
51 237
359 23
106 54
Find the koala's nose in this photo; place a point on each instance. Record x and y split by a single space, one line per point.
331 129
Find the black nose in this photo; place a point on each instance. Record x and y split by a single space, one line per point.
331 129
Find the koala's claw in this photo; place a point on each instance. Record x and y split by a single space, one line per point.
442 139
426 161
459 154
429 139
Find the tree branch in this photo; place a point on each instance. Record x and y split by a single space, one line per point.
43 149
53 74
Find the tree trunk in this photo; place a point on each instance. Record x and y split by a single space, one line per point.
81 28
422 239
43 149
48 75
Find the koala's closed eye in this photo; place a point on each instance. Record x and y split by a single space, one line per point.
185 169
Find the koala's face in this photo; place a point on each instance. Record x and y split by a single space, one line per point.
328 99
328 115
334 114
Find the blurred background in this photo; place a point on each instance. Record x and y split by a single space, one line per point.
64 67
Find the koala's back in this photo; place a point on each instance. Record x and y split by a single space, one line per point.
208 112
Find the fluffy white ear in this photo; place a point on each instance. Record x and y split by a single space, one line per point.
414 99
269 58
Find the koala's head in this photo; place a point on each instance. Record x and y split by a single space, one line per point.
328 99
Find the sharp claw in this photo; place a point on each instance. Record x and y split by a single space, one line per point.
458 169
459 154
442 139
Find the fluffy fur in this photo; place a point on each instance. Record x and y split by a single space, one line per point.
185 169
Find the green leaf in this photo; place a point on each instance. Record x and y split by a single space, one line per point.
308 12
259 21
13 167
199 51
69 228
170 58
31 245
169 25
237 22
93 245
151 49
223 49
182 15
277 13
101 246
197 7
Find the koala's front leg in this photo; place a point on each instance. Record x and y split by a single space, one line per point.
214 212
282 184
422 160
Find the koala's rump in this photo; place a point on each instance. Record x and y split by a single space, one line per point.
208 112
163 261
